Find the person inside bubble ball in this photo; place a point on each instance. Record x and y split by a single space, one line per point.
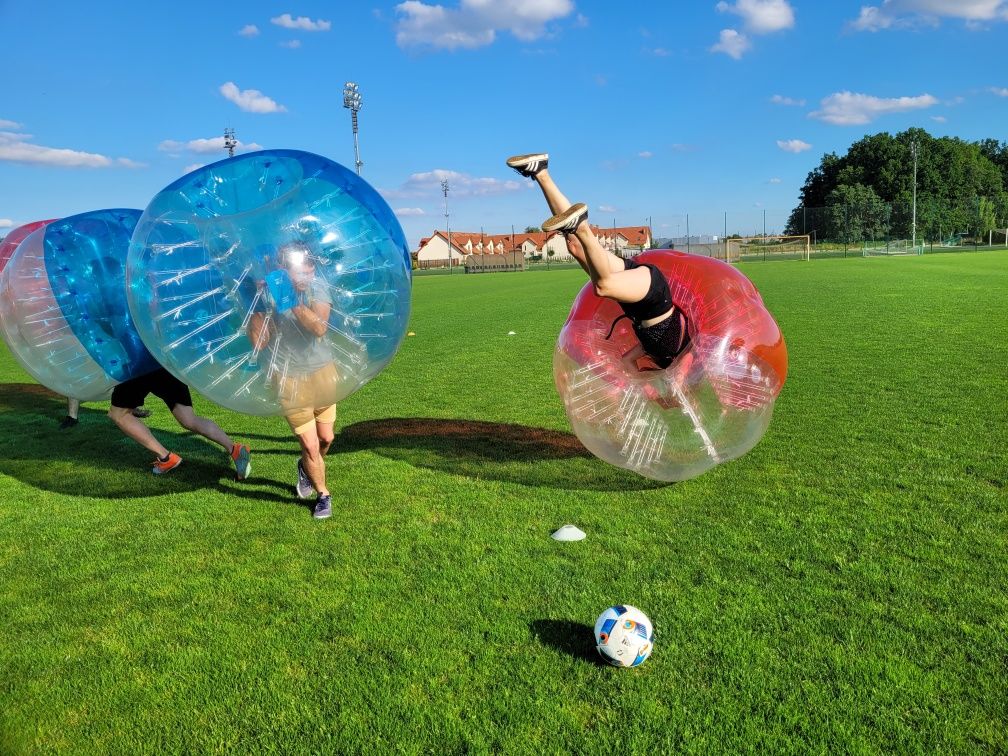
129 395
641 290
302 366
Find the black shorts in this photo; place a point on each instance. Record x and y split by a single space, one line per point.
165 386
665 340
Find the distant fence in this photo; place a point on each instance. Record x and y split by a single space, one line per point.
508 261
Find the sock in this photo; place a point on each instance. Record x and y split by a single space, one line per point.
164 458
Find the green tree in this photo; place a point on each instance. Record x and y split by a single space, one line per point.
856 213
532 229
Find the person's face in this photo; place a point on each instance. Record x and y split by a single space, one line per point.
300 269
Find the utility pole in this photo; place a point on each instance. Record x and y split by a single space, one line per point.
230 142
353 102
444 188
913 151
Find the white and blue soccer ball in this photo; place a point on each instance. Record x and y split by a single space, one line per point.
624 636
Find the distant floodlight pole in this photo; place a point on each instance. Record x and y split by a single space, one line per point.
230 142
353 101
444 188
913 152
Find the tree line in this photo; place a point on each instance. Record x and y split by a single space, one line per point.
868 193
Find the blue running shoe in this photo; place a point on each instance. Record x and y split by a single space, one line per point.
242 458
304 485
323 508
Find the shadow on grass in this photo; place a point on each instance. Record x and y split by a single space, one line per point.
571 638
95 459
493 451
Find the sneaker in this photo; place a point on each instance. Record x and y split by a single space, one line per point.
242 457
528 165
140 412
68 422
304 485
160 467
323 508
567 221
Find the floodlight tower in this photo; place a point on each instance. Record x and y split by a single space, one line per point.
230 142
913 152
444 188
353 101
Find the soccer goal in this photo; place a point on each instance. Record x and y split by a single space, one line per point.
742 248
894 247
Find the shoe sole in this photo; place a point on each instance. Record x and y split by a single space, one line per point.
520 161
559 221
308 495
325 516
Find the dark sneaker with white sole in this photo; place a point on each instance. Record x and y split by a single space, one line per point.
567 221
323 508
304 485
529 165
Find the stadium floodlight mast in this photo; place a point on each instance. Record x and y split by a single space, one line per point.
230 142
444 188
353 101
913 152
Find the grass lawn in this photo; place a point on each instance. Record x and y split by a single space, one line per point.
840 588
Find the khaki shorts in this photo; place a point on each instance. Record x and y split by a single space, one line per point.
299 395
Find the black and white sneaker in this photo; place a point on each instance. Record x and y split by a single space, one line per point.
567 221
304 485
529 165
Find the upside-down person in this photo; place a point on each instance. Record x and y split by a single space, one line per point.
640 289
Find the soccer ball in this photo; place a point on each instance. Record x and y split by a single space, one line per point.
624 636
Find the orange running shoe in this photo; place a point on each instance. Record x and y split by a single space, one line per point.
161 467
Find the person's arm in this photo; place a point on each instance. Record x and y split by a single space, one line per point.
260 331
313 318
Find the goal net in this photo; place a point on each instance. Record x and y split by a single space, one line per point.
894 247
742 248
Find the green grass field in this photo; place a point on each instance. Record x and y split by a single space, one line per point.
840 588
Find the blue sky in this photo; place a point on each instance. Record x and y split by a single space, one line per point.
648 109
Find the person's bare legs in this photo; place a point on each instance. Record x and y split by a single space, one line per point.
201 425
136 430
558 203
315 442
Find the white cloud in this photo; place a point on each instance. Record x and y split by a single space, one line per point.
793 145
292 44
204 146
761 16
428 184
249 30
782 100
6 223
250 100
901 14
17 148
645 154
773 180
939 119
852 108
1000 91
410 211
475 23
127 163
601 80
301 23
732 44
192 167
10 125
607 208
660 52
